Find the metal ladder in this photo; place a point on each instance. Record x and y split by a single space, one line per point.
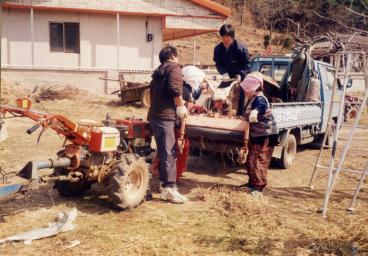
343 58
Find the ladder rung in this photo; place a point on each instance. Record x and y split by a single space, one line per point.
357 150
343 170
358 126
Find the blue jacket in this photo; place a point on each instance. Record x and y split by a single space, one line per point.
260 104
266 124
234 60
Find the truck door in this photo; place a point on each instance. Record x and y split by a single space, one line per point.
327 79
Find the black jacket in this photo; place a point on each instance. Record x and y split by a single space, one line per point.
234 60
166 84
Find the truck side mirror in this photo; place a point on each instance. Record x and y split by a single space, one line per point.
349 82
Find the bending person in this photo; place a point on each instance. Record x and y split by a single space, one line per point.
262 133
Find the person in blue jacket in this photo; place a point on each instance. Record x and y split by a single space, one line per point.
232 59
263 136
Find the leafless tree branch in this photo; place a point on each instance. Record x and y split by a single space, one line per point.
357 13
341 23
363 3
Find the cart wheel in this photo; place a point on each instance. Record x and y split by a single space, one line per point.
288 152
128 183
146 98
351 114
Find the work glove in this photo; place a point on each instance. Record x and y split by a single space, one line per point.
225 77
253 116
181 112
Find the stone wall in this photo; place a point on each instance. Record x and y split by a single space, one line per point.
86 80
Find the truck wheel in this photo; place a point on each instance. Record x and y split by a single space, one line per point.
128 183
288 152
146 98
71 189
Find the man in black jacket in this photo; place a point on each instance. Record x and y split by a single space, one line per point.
232 59
167 106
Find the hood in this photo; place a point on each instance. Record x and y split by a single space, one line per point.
160 72
251 83
193 76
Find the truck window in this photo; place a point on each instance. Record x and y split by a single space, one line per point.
266 69
279 70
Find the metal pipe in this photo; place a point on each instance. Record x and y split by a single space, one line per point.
348 144
1 39
332 176
32 35
328 128
30 171
61 178
118 40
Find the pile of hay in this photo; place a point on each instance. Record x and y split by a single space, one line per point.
232 200
59 93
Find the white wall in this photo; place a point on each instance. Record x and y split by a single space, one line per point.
42 54
132 33
16 38
100 31
98 40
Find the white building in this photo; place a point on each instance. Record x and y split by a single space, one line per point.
69 37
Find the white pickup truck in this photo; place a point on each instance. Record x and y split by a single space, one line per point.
298 123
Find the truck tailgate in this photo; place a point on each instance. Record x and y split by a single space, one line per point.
289 115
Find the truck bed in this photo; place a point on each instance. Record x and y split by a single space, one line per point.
295 114
216 128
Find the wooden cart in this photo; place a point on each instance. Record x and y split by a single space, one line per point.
131 92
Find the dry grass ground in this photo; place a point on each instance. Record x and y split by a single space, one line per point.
219 219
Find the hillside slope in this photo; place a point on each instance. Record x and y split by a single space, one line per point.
294 20
247 33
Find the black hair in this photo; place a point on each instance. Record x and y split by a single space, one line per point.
167 53
227 30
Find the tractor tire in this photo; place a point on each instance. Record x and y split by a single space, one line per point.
288 152
71 189
128 182
351 114
146 98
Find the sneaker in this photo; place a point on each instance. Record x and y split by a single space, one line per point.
256 193
172 195
162 187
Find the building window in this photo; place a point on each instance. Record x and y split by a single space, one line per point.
64 37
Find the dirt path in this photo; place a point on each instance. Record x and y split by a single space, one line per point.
218 220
